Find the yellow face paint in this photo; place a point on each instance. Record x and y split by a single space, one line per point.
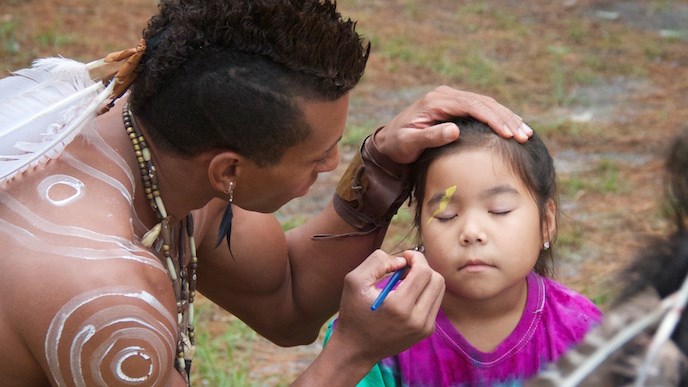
448 193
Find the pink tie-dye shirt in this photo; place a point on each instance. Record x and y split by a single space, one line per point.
554 319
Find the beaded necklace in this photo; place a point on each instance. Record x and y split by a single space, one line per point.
183 277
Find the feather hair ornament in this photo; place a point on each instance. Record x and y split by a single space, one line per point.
44 107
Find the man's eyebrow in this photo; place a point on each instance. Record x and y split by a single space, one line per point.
499 190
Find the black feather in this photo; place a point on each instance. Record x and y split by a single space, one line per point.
225 229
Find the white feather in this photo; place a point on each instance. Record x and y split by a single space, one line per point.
42 109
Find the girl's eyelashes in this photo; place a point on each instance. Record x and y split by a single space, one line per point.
445 217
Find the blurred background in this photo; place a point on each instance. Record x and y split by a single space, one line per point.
604 82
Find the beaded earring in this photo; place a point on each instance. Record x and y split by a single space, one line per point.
225 229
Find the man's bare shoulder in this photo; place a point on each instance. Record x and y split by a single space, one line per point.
67 314
84 302
81 295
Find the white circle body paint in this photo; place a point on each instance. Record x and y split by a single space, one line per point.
60 190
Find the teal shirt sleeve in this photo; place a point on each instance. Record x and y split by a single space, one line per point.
379 375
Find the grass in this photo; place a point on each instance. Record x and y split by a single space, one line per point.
603 180
222 355
52 38
562 127
355 134
8 37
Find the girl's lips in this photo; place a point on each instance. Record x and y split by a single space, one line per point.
474 265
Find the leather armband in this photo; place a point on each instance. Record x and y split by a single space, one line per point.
372 189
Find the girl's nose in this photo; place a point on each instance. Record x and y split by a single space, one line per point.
471 232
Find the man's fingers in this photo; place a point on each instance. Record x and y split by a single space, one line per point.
447 102
420 294
432 297
417 279
371 270
424 124
380 263
430 137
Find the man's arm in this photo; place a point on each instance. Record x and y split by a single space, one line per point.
284 298
286 287
363 337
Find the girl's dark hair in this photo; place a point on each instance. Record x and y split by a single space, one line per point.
221 74
531 161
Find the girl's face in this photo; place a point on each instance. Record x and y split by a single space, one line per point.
480 225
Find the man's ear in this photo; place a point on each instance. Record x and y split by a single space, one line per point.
224 168
549 225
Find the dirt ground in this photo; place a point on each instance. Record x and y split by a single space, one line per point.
605 82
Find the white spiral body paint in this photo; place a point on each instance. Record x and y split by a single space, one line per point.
121 248
35 230
111 154
124 315
66 217
103 177
127 353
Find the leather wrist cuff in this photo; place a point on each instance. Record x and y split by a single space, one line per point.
372 189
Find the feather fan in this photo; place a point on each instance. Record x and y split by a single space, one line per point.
42 109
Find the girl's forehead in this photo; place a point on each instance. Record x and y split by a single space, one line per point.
476 160
472 166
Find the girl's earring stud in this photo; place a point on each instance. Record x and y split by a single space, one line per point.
546 245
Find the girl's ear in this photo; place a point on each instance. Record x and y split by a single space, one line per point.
549 226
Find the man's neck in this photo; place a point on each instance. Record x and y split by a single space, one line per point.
182 182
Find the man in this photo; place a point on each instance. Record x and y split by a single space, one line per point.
235 109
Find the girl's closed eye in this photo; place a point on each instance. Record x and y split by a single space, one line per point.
445 216
500 211
502 205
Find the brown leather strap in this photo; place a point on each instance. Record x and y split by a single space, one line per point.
371 190
118 67
126 74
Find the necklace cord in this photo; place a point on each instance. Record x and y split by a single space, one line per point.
182 275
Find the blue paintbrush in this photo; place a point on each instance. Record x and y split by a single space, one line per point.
388 287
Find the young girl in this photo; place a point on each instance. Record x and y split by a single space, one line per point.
485 213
